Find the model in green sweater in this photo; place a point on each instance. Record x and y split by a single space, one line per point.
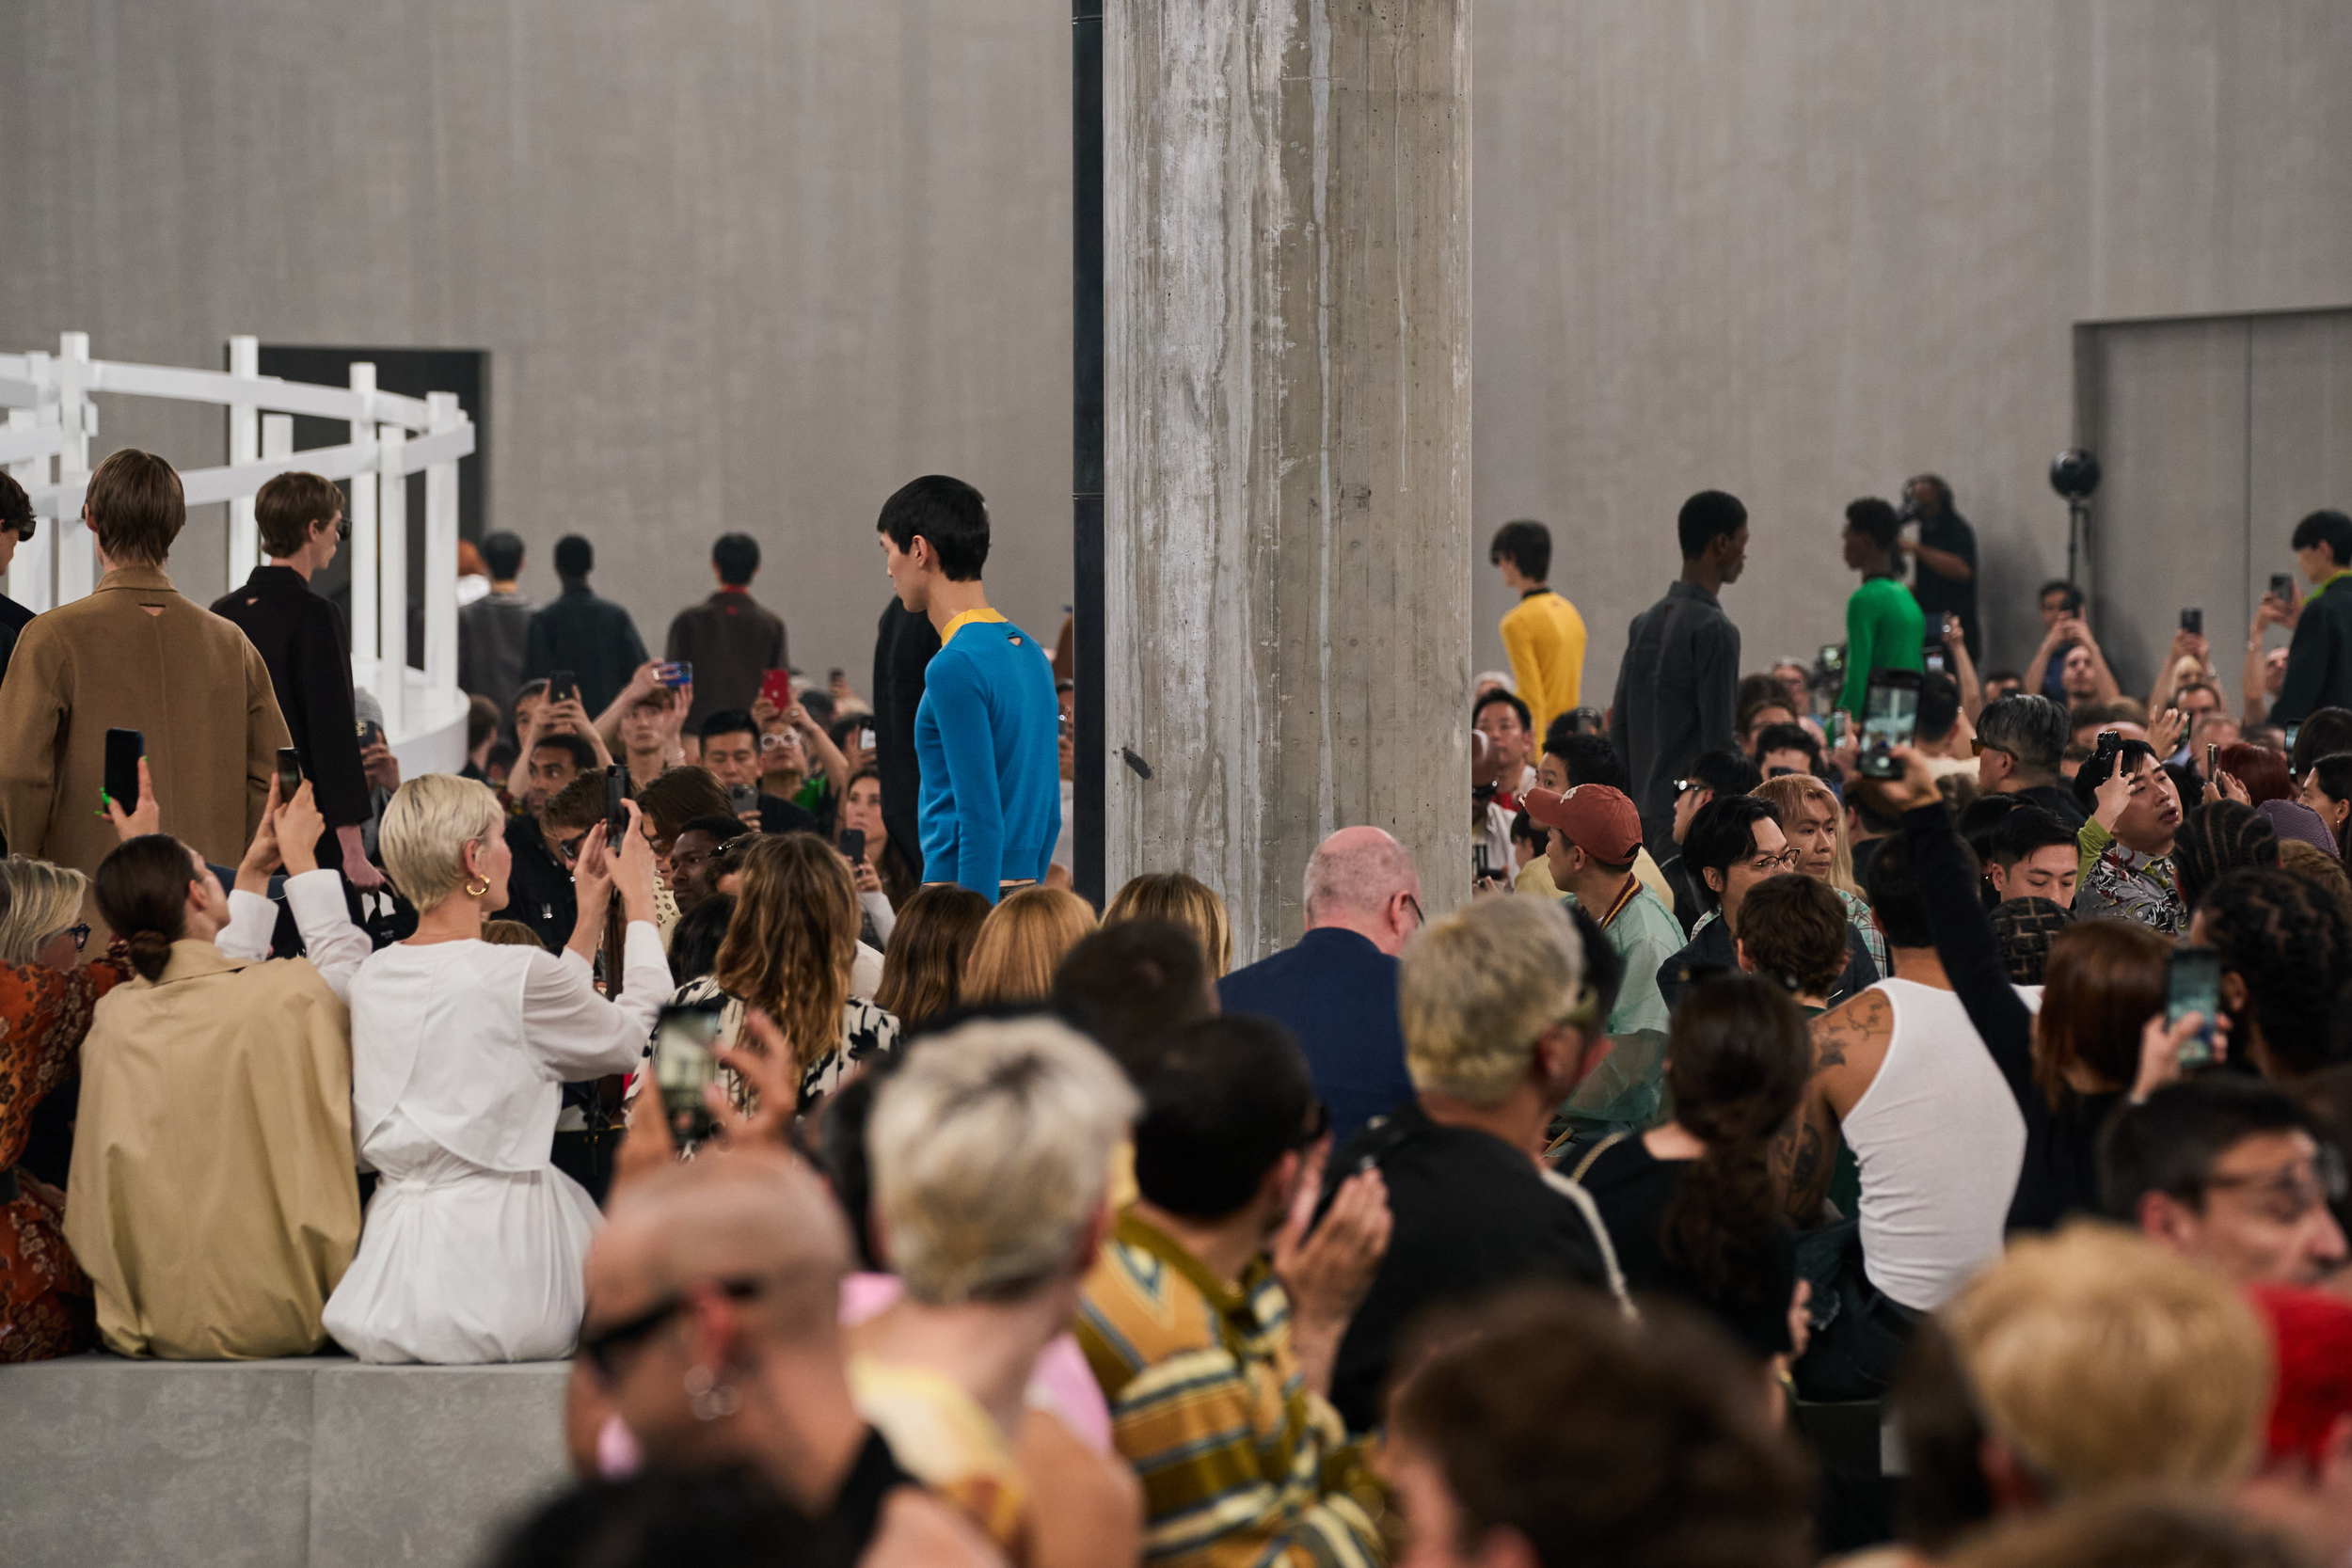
1885 629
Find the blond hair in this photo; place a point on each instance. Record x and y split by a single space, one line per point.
792 940
1185 901
1477 988
2102 1359
1022 942
991 1151
1785 792
427 828
42 900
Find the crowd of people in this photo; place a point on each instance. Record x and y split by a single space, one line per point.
1807 1139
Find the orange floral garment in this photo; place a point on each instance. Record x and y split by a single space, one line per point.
45 1306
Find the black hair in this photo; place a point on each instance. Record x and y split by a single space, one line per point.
2091 775
1942 487
2024 831
2029 726
818 704
736 556
1981 819
1224 1099
946 512
2327 527
1876 519
2334 775
1721 832
2215 839
575 557
583 755
1790 738
722 829
502 555
1939 706
1945 1494
1526 830
728 720
727 1518
141 889
1497 694
16 507
1894 892
1709 516
2325 733
2073 600
694 940
1726 773
1126 982
2169 1142
1589 758
502 755
2285 937
1527 545
2189 784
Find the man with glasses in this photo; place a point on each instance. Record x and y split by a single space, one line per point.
2020 742
1733 844
1336 989
1715 775
2231 1171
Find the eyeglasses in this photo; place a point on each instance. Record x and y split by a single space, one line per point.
1414 904
601 1350
2324 1180
777 742
342 530
1978 747
569 847
79 933
1771 865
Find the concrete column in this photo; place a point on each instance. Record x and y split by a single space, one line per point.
1287 216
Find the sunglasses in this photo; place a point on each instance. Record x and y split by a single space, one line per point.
1977 748
602 1349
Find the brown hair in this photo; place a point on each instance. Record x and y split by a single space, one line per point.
678 796
930 947
2315 865
134 499
284 509
793 937
1186 900
1022 942
577 804
1794 929
142 892
2102 983
509 933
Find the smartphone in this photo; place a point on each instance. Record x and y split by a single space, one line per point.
853 844
776 686
2213 759
289 772
2292 730
866 738
834 676
1934 661
615 804
2103 757
743 798
123 750
369 733
1838 723
1890 717
674 675
2282 588
562 686
2192 984
2193 621
685 1062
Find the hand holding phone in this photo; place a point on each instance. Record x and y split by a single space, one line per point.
1890 717
853 844
2192 984
289 772
2193 621
776 686
562 686
121 778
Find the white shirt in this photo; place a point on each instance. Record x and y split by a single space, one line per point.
334 945
472 1246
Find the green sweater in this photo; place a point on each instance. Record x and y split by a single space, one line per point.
1884 630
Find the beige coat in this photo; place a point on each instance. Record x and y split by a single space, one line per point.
136 656
211 1199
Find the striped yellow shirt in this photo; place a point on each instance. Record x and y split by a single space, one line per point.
1241 1463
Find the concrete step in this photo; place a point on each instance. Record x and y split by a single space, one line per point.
320 1463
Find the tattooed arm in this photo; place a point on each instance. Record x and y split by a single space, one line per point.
1849 1045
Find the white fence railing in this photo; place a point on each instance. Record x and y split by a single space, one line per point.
52 417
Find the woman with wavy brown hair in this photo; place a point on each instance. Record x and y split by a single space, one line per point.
788 952
1022 942
929 949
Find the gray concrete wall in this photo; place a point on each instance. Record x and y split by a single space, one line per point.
1803 250
739 264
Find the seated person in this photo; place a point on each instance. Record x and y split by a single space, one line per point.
1715 776
211 1199
1733 844
1503 1020
458 1050
1215 1373
2229 1171
2034 856
1571 760
1792 932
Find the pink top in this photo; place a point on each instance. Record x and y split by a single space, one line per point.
1062 1383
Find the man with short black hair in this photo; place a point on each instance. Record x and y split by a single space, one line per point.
299 519
2319 657
988 731
544 843
1884 628
1543 634
2229 1171
1503 718
592 637
1713 776
2284 949
2325 733
2020 742
1130 982
17 524
731 640
732 754
1736 842
2126 845
1680 679
2034 856
1784 749
494 631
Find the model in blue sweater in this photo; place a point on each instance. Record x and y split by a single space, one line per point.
987 733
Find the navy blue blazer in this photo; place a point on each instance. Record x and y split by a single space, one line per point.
1337 992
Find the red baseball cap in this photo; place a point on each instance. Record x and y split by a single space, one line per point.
1597 818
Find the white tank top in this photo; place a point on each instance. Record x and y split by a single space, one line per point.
1940 1142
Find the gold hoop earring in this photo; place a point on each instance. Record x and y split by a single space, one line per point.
477 888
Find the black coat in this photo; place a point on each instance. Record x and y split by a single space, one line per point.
300 636
2319 661
903 645
593 638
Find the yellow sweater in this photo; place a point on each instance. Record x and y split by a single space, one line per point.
1544 637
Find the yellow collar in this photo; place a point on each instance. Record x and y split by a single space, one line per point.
971 617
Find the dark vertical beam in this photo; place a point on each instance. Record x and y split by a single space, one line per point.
1086 354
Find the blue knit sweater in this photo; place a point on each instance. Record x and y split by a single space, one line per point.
987 735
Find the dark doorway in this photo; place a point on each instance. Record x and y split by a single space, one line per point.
412 372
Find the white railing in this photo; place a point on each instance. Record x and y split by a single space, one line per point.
52 416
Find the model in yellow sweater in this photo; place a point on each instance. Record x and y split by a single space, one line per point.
1543 634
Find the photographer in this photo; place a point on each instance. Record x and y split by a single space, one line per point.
1946 552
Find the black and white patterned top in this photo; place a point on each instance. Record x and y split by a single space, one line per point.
867 1032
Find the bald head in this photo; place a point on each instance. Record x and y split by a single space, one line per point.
1355 879
746 1215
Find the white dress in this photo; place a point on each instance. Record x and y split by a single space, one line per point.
472 1244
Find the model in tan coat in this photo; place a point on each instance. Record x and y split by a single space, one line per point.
135 655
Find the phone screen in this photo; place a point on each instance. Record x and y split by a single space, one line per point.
2292 730
1890 717
674 675
685 1061
289 772
123 750
615 798
1934 661
2192 984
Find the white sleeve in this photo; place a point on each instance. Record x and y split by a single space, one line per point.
336 947
252 921
878 909
578 1034
866 972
